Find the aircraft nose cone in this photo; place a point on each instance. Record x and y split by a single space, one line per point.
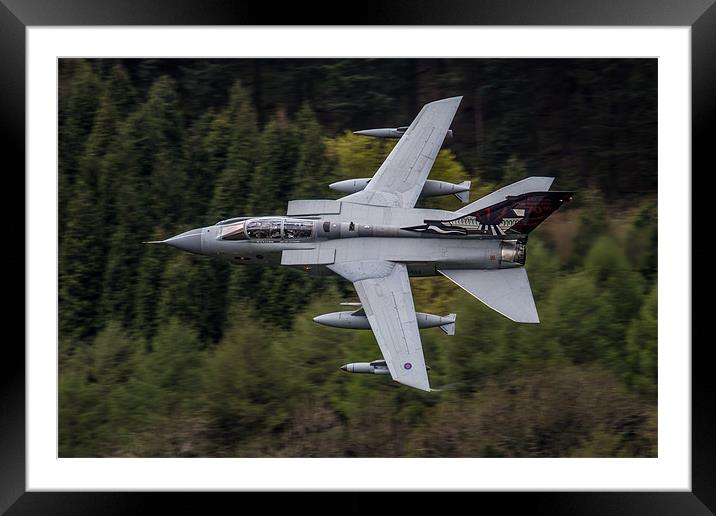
344 368
189 241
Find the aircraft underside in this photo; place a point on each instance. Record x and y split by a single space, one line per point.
423 257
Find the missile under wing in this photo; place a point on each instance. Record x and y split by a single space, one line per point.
389 132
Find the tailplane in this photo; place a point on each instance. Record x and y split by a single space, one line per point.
506 291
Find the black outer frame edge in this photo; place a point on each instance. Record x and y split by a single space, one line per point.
368 12
703 384
700 14
12 136
533 503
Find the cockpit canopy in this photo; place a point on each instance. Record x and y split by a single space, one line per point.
230 221
267 229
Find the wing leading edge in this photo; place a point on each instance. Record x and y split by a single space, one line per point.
384 291
400 179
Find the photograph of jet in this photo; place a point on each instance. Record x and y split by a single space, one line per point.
375 238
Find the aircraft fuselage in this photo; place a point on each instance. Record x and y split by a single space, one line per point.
310 242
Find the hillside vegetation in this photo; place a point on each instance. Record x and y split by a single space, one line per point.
165 354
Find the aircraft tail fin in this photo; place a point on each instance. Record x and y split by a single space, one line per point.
521 213
464 196
449 328
507 291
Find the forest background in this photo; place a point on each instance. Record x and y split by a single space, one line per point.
166 354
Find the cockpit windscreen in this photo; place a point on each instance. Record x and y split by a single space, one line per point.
233 231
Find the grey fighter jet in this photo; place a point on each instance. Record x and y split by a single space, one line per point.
377 239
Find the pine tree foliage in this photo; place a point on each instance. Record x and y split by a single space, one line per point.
166 354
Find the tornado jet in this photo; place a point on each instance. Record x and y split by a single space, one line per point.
377 239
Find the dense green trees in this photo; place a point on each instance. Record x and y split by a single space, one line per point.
168 354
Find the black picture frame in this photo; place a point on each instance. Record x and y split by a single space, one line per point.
17 15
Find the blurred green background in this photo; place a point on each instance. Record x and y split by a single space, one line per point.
166 354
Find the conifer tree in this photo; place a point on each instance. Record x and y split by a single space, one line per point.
245 393
81 263
84 243
150 194
577 318
231 150
643 240
593 222
642 348
117 100
312 174
79 97
277 157
514 170
240 135
613 275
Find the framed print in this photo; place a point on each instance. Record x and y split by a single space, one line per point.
151 369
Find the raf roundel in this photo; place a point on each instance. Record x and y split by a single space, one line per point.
407 365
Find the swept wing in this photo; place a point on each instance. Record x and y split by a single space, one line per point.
384 291
400 179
